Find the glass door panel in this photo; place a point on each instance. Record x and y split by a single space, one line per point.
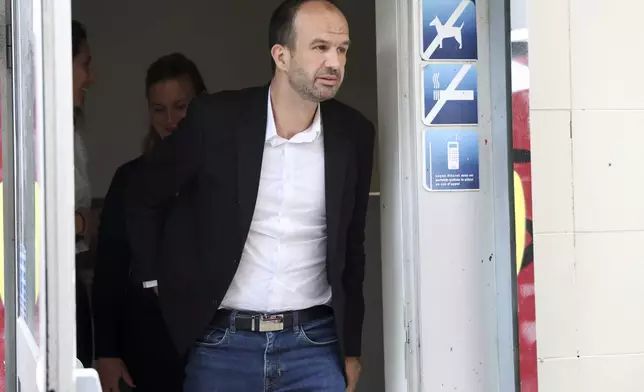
27 192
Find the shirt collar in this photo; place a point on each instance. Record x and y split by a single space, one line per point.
306 136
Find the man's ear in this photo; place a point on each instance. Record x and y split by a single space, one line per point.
281 56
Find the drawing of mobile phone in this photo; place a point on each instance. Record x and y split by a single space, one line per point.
452 156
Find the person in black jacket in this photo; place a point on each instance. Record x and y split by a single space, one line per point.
132 343
259 265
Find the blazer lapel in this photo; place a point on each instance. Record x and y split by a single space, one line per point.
251 136
336 153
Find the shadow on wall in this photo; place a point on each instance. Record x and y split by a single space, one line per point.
372 379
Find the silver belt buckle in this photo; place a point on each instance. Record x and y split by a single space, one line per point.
271 323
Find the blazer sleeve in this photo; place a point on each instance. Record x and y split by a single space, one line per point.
112 268
353 277
164 172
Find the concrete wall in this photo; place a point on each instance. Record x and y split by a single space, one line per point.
586 118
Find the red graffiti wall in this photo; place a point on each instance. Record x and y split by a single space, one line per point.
523 217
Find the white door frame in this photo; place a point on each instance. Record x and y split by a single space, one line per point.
407 342
59 195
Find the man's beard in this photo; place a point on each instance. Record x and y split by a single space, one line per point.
307 89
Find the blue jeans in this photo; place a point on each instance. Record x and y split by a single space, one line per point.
304 358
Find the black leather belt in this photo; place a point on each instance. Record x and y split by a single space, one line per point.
273 322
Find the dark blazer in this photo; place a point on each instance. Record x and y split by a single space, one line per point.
111 273
212 165
128 323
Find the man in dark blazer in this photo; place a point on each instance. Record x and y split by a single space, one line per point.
259 265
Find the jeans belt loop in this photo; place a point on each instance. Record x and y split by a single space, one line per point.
233 317
296 321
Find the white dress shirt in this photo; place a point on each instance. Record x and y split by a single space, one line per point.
283 264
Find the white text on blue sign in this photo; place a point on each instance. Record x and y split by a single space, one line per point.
451 160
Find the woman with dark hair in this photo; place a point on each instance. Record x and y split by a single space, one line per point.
132 343
82 80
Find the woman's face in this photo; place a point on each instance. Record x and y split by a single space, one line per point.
82 75
167 103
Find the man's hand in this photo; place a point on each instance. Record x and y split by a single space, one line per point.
353 368
156 290
111 371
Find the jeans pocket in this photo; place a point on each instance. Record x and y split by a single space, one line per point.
319 332
214 337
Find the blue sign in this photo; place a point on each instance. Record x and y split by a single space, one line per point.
450 94
451 160
449 30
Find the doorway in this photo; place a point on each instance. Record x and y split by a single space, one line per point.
230 46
